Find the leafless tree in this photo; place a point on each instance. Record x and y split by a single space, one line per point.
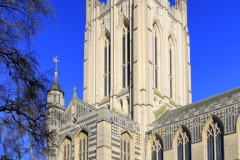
23 88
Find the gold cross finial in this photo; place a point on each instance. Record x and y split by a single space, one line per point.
56 60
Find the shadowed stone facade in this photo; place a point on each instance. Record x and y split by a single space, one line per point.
137 92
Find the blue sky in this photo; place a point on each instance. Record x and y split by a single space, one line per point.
214 27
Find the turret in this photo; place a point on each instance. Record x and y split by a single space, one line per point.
182 6
54 111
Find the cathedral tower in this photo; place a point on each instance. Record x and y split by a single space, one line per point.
137 56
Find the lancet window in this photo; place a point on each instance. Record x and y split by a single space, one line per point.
82 146
156 149
125 57
215 141
155 60
171 72
54 98
126 147
184 146
66 149
107 68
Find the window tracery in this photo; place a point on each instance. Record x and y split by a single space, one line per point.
82 146
66 149
126 146
215 141
157 149
184 146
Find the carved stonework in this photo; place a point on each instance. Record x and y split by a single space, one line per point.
157 13
105 23
172 27
123 11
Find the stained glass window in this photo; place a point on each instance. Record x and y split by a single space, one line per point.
184 146
215 141
156 149
126 141
66 148
82 140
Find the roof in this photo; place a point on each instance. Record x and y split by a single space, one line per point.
205 102
55 85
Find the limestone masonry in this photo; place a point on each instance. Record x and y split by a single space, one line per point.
137 102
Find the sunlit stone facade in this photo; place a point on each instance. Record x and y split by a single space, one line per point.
137 92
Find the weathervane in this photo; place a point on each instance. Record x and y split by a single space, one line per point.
56 60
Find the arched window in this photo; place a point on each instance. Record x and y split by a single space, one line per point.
82 146
215 141
156 149
54 98
107 68
155 60
126 147
59 98
171 72
66 149
184 146
125 57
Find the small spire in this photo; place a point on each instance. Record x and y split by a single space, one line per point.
55 84
74 92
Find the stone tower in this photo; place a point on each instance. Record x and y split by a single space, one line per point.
55 109
137 57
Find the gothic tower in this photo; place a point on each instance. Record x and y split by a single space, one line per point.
55 109
137 58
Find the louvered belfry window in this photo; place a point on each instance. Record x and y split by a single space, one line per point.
107 68
184 146
215 141
155 60
82 142
171 73
156 149
125 57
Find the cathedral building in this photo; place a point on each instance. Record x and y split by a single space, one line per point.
137 99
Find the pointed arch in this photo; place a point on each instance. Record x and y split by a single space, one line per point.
155 148
105 63
156 55
213 139
172 56
182 143
66 148
157 23
81 151
127 146
123 21
125 52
